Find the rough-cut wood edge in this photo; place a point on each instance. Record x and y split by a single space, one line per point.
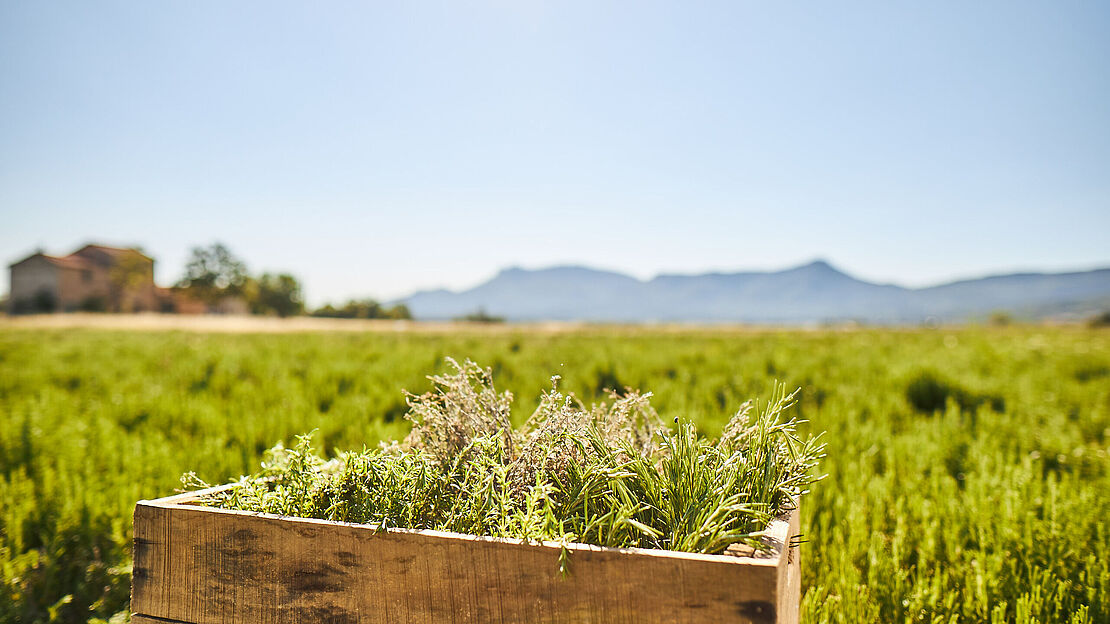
788 606
185 498
782 564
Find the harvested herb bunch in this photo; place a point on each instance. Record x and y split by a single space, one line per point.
610 474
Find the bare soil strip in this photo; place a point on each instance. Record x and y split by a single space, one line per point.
261 324
272 325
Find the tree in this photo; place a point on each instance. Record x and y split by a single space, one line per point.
275 295
213 273
481 316
364 309
128 275
1100 320
1000 318
399 312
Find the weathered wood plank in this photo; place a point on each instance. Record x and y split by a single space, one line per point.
201 565
790 573
142 619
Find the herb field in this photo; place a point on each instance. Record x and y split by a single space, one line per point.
968 470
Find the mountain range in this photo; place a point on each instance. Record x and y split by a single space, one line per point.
810 293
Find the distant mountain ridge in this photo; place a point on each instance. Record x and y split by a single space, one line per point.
813 292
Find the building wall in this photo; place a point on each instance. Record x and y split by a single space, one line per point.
90 282
141 297
95 255
182 303
144 297
71 288
99 285
30 277
234 306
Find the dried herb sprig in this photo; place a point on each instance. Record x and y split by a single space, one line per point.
609 474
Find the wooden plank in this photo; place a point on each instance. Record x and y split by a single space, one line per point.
201 565
193 496
790 574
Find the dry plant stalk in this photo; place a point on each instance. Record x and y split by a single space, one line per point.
610 474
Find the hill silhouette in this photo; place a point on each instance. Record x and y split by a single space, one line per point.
812 292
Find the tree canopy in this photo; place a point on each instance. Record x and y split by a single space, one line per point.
213 273
278 295
364 309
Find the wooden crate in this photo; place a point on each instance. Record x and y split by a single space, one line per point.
202 565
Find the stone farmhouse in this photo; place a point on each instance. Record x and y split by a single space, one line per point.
93 278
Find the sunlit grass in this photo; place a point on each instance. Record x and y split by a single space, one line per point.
967 472
609 474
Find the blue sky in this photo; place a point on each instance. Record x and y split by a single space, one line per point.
376 148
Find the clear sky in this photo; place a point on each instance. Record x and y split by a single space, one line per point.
376 148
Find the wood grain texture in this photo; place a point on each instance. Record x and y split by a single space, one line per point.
200 565
789 587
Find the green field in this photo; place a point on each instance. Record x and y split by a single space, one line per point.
968 470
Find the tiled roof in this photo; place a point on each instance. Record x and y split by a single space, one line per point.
113 251
102 256
68 262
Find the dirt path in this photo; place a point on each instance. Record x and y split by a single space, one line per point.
259 324
269 325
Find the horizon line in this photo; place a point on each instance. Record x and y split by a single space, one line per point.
1102 266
